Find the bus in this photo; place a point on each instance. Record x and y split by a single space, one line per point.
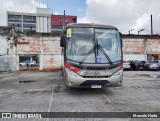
92 56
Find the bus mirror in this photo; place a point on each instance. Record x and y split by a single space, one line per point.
62 41
121 43
120 34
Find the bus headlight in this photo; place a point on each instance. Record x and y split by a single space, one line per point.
71 73
118 73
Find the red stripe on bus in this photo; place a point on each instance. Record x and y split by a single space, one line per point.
74 69
121 66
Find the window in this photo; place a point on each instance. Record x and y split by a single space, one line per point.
28 30
29 26
74 20
29 19
79 44
29 61
93 45
14 24
61 20
57 27
17 29
66 20
14 18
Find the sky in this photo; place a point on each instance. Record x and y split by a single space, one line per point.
124 14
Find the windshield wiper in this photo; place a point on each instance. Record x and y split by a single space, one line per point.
105 54
99 48
86 56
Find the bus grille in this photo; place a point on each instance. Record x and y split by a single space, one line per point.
96 76
95 68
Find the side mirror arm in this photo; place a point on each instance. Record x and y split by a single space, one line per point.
62 41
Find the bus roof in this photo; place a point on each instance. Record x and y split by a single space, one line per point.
90 25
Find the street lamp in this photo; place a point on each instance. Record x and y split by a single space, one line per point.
130 30
140 30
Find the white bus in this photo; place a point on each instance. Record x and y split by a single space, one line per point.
92 56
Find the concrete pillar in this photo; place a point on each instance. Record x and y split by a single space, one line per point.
17 62
41 53
145 48
21 23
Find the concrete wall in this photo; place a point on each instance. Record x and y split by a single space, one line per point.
153 46
28 44
8 63
49 52
138 47
7 53
140 57
43 24
133 45
43 11
43 20
3 45
47 48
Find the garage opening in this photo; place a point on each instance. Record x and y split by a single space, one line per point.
29 62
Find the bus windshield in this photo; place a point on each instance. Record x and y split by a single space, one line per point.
85 42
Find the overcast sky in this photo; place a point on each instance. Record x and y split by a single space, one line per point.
124 14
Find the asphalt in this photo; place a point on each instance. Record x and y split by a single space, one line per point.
28 91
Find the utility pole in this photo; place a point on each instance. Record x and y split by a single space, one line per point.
151 26
64 20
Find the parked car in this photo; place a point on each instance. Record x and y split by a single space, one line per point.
136 65
141 65
126 65
27 63
151 65
158 62
144 64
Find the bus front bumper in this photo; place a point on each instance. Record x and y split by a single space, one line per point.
74 80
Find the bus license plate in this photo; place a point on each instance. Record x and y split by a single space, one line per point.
96 86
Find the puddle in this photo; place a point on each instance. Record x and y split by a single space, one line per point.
32 91
27 81
119 101
149 75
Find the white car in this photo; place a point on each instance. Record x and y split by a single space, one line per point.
158 62
126 65
151 65
27 63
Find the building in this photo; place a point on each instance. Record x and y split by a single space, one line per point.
38 22
57 22
41 22
23 22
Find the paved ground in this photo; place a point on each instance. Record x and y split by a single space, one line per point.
45 92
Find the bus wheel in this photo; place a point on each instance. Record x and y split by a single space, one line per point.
66 86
